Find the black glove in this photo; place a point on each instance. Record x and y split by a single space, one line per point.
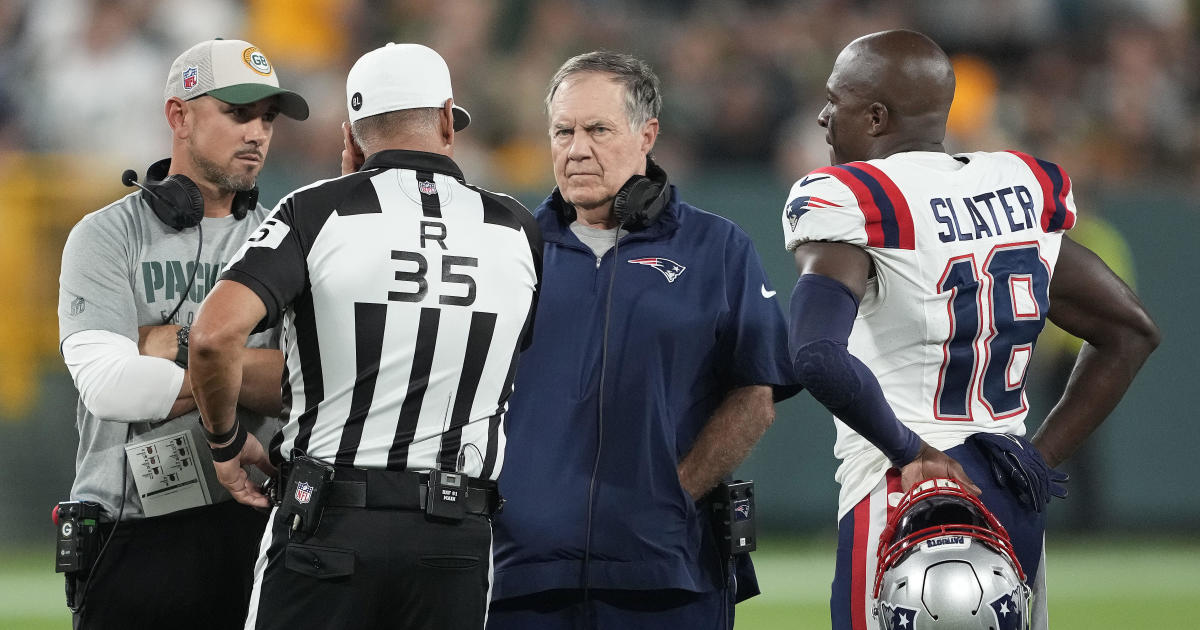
1018 466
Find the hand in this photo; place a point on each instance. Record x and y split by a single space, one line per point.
931 463
158 341
232 474
689 486
352 155
1019 466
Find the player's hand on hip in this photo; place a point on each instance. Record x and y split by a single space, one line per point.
931 463
232 474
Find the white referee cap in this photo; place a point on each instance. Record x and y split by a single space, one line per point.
233 71
400 76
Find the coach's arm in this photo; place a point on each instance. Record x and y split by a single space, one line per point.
216 364
261 375
1089 301
734 428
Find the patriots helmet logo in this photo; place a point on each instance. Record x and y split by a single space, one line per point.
897 617
1008 613
669 268
797 207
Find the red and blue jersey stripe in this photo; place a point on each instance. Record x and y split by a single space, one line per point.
889 222
1055 188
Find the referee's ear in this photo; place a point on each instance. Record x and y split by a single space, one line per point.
446 123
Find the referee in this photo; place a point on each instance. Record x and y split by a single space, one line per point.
405 295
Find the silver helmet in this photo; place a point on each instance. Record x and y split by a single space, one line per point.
945 562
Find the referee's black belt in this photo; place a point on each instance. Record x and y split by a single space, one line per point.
401 490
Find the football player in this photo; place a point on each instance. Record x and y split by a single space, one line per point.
925 279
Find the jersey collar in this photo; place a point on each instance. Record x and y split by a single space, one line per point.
414 160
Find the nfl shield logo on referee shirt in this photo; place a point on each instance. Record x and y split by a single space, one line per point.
304 492
427 187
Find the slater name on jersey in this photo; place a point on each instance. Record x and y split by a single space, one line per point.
988 214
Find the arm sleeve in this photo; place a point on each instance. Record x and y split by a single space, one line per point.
822 315
115 382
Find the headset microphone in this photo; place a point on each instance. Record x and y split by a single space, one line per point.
129 178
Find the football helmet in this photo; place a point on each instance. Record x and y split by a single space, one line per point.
945 562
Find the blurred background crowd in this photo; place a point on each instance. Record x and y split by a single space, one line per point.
1112 83
1107 88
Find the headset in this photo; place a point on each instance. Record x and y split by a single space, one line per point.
642 198
638 203
176 199
177 202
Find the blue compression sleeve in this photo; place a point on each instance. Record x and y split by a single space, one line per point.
821 317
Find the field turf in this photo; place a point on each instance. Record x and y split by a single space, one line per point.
1094 584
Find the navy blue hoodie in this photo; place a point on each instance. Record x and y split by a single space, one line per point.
693 316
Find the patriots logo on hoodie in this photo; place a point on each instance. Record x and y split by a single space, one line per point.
669 268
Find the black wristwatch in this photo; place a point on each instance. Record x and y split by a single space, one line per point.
181 340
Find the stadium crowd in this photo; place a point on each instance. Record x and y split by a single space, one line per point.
1109 83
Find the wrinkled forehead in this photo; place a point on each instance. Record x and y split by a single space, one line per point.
589 95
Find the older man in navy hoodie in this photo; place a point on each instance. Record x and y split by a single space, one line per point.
658 354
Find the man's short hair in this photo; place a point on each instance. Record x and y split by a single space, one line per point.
371 130
643 94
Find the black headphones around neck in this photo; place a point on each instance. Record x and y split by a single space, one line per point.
638 203
176 199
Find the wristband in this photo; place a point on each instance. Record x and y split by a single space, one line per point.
219 438
231 450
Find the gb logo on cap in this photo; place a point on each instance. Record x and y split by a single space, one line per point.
257 61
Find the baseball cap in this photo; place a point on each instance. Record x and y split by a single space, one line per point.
400 76
233 71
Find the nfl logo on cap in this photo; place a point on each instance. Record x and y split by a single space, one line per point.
304 492
189 78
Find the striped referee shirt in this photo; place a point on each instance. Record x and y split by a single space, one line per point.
406 295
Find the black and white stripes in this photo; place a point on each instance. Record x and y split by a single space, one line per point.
406 295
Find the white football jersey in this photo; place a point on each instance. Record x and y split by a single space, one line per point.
964 247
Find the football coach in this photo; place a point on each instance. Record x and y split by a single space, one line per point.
657 357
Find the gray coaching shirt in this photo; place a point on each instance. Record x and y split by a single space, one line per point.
123 268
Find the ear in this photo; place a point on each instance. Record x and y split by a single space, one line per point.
352 153
446 122
649 135
878 119
178 118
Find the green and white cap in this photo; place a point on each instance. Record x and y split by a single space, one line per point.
233 71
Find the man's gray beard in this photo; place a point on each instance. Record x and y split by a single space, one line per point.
225 182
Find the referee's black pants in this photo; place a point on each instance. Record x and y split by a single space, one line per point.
190 569
374 568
